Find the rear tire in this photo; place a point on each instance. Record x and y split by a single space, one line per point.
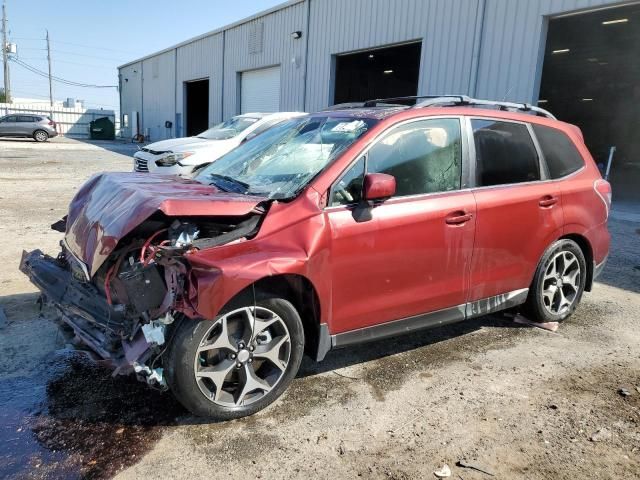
558 283
40 136
239 363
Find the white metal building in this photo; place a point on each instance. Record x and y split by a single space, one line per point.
309 54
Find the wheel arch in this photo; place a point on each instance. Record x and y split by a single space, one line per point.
301 292
587 251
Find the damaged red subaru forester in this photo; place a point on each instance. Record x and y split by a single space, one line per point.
340 227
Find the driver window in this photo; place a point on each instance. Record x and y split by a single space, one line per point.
424 156
348 190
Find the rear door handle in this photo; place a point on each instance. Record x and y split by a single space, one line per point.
548 201
458 218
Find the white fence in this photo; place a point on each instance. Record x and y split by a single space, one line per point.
71 122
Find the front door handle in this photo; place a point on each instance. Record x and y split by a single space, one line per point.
548 201
458 218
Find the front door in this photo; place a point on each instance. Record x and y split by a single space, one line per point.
8 126
411 253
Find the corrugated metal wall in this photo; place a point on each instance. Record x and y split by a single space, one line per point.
512 49
487 48
276 47
130 94
199 60
159 94
444 27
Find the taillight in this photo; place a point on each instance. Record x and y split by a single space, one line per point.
603 189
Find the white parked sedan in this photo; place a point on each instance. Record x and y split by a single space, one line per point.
181 156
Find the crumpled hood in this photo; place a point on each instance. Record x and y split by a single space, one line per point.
110 205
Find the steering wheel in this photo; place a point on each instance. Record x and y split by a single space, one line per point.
343 195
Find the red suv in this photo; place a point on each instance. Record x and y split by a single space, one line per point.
336 228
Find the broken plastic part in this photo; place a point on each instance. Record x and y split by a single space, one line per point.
154 332
154 377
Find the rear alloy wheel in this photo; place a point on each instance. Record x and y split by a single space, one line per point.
239 363
40 136
558 283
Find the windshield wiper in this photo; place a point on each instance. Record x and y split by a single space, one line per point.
230 180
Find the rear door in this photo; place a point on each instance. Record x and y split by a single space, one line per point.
26 124
409 254
519 209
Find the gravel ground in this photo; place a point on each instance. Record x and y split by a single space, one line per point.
518 402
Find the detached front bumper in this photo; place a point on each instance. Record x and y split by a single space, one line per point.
83 309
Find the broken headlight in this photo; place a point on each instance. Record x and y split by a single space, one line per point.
171 159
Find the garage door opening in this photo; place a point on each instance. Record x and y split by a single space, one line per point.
381 73
590 78
197 106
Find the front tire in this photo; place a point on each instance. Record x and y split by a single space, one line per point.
40 136
558 283
239 363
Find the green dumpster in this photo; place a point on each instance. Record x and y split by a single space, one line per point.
102 129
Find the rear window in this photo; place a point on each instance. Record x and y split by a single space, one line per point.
505 153
559 152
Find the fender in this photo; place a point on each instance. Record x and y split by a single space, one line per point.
302 248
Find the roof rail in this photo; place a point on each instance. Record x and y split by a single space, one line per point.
389 101
463 100
367 104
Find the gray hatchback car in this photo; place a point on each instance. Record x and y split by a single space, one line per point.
38 127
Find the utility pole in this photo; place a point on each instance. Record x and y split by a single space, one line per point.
5 56
50 82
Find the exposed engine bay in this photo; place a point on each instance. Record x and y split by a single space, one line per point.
126 311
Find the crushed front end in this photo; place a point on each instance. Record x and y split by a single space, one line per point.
124 314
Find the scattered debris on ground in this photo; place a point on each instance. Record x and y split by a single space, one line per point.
601 435
443 472
474 466
522 320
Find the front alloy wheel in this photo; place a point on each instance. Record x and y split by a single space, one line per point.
238 363
243 356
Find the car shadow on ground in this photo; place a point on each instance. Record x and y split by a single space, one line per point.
358 354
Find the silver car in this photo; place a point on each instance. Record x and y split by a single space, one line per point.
38 127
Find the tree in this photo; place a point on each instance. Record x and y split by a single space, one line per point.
3 95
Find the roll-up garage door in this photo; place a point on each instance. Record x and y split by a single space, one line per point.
260 90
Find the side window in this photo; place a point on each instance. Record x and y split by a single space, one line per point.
11 118
348 189
559 152
424 156
25 119
505 153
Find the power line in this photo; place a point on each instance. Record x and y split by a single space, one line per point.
92 47
44 59
66 52
58 79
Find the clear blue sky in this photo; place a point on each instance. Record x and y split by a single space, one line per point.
90 38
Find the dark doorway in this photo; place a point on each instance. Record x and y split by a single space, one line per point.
591 78
197 106
381 73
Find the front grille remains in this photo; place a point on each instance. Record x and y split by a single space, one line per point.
141 165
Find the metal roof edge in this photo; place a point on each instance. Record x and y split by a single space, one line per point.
237 23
